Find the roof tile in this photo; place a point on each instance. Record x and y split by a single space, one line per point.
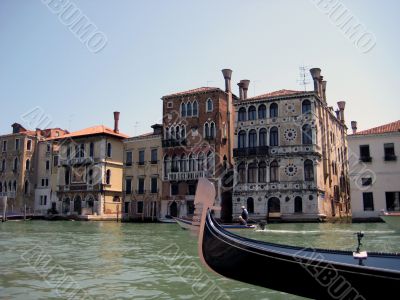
390 127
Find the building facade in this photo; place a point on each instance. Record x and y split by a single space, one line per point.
90 172
19 163
142 176
290 155
196 142
374 170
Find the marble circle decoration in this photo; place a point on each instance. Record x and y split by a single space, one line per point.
290 134
291 170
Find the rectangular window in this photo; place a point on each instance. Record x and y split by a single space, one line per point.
128 158
16 144
366 181
55 160
141 157
29 145
140 207
192 189
4 146
368 200
174 189
154 156
43 182
154 185
128 186
392 201
364 153
140 186
48 147
47 165
126 207
47 182
389 152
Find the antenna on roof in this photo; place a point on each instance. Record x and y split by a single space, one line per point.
304 79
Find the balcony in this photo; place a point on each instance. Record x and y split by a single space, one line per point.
8 194
173 143
184 176
390 157
77 161
253 151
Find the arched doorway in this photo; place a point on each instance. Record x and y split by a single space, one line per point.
90 204
298 205
273 208
78 205
66 206
173 209
226 197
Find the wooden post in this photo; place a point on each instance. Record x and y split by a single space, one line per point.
24 211
4 209
117 212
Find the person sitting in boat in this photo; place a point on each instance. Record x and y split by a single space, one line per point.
244 217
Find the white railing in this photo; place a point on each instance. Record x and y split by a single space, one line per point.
7 194
77 161
179 176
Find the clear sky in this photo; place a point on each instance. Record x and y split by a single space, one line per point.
158 47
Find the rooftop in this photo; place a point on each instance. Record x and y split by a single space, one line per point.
387 128
279 93
95 130
194 91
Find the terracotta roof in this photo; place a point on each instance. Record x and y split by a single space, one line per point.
279 93
390 127
95 130
194 91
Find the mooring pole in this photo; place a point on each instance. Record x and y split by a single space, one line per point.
24 211
4 209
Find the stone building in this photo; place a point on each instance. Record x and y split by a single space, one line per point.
19 165
197 135
374 170
90 172
142 176
290 155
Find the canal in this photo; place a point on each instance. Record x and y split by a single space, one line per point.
106 260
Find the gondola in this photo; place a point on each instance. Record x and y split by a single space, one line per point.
189 225
306 272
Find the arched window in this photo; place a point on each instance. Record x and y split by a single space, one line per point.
27 164
1 187
306 107
308 170
175 164
250 205
252 113
67 176
273 110
183 132
167 165
206 130
108 177
183 163
15 164
252 138
242 173
209 105
307 134
15 186
210 161
77 151
189 109
262 172
262 140
242 114
172 133
192 163
273 137
252 173
167 134
298 205
183 109
91 150
5 186
26 187
9 186
262 111
178 132
3 165
200 162
274 171
195 108
82 150
242 139
212 130
109 150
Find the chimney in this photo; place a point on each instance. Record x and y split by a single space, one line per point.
157 128
341 105
245 85
354 126
316 75
324 90
227 75
116 121
240 84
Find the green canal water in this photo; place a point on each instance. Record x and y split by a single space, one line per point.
106 260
